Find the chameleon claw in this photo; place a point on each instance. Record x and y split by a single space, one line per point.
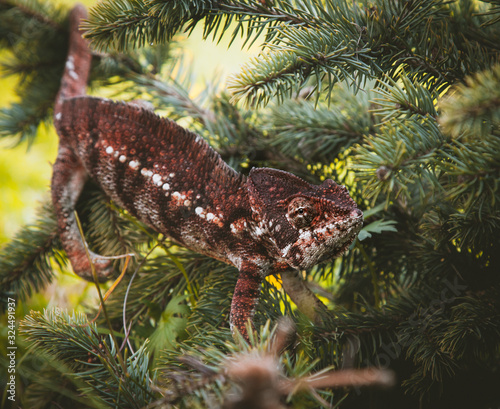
84 264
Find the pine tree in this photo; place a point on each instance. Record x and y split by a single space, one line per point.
397 100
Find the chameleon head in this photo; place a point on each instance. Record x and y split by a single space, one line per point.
307 224
325 223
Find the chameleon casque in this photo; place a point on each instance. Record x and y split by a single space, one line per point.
171 179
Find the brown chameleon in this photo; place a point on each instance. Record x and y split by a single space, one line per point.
171 179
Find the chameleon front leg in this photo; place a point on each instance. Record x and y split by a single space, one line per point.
245 298
68 179
305 300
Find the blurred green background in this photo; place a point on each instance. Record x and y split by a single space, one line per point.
25 171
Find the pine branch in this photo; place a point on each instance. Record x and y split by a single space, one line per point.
173 94
474 107
271 75
411 98
402 33
109 231
75 337
427 324
494 11
443 340
33 31
474 171
149 292
471 333
471 230
321 55
92 357
118 25
233 131
329 60
212 308
327 42
48 385
399 158
319 132
234 374
41 12
26 263
158 302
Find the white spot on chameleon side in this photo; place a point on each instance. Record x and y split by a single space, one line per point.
70 66
305 235
177 199
146 172
238 226
165 186
109 150
122 158
157 179
134 164
200 211
58 116
258 231
284 252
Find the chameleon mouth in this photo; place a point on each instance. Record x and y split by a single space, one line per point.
342 246
352 228
336 245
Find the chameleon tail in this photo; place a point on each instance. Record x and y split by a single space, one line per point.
76 70
68 174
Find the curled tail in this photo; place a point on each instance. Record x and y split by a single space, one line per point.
77 68
68 173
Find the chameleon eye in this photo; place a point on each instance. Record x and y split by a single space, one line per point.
301 212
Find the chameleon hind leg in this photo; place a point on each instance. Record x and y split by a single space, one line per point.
68 179
69 175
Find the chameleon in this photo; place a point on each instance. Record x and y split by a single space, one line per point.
269 222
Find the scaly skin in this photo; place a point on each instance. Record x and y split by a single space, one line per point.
172 180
